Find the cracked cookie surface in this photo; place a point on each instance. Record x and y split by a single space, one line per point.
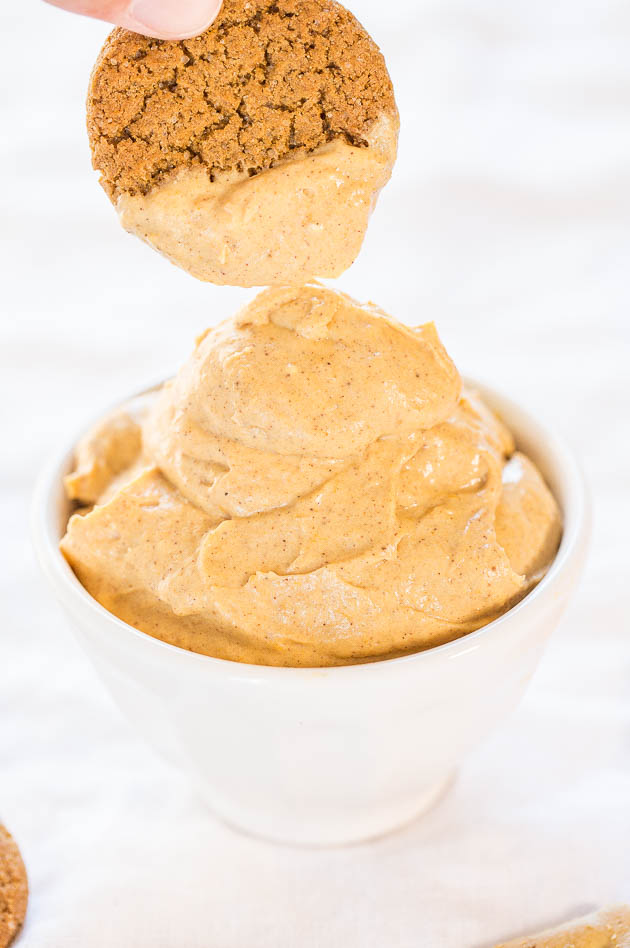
266 82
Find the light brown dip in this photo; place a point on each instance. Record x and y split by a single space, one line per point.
303 218
313 488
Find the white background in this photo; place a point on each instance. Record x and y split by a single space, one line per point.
508 223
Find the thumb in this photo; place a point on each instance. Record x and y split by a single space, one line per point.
164 19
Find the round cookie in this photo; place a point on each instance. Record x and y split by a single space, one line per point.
251 154
608 928
13 888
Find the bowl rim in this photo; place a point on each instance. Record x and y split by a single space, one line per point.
575 505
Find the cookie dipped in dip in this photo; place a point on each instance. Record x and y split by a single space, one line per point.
253 154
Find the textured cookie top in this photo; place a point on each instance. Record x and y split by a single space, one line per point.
13 889
265 80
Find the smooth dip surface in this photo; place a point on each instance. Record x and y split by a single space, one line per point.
303 218
312 488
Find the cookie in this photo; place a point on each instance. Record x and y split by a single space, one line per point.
281 113
608 928
13 888
264 80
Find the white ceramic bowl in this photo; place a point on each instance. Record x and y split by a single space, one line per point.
325 756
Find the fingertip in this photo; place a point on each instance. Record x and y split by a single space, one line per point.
169 19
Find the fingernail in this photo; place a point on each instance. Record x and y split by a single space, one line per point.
171 19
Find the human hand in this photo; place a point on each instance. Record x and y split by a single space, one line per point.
164 19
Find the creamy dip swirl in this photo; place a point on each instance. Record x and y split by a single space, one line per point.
313 488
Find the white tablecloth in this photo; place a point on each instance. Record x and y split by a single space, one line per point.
508 222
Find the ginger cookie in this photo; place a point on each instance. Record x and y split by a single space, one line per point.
608 928
13 888
254 153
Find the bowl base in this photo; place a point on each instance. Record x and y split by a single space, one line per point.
350 831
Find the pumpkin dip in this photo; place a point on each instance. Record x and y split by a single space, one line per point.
314 487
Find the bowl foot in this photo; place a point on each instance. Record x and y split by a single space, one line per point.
311 831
